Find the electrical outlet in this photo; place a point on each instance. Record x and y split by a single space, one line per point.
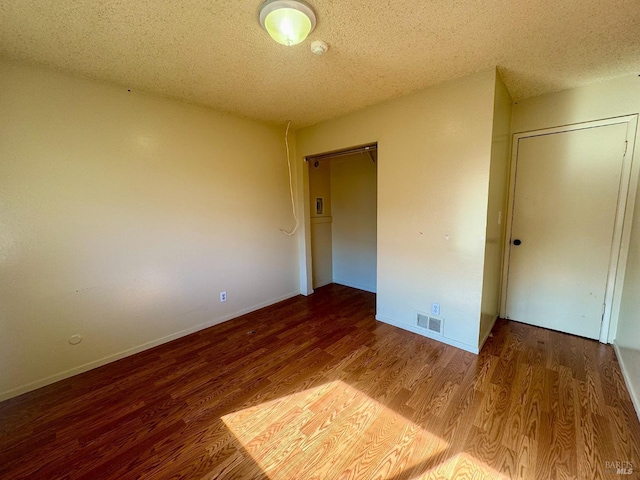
435 309
223 296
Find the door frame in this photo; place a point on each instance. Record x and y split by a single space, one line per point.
304 242
622 225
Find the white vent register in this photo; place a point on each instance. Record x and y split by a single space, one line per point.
431 323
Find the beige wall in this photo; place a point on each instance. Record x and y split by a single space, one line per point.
498 180
353 193
434 151
627 338
628 332
122 218
599 101
321 225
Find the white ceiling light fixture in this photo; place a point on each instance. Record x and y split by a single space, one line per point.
287 21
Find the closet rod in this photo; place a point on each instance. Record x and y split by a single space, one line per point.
341 153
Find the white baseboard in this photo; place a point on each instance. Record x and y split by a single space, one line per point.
14 392
631 379
354 285
426 333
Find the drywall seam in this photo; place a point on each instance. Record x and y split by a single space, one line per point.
14 392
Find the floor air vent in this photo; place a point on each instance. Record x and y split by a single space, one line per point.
433 324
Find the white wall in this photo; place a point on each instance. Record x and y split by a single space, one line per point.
122 218
353 198
498 181
434 151
599 101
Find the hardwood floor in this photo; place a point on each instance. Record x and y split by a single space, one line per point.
321 390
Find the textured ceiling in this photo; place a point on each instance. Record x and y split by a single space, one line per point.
214 53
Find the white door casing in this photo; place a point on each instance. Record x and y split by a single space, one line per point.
568 197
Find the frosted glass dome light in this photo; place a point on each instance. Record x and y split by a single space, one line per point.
287 21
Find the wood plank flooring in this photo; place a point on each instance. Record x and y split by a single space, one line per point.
320 390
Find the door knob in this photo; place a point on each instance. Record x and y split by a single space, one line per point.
517 241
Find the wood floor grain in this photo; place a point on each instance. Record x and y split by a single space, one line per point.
315 388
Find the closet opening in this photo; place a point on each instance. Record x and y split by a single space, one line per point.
343 214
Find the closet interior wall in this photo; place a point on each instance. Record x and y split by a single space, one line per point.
343 220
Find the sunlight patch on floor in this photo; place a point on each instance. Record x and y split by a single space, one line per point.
331 431
462 465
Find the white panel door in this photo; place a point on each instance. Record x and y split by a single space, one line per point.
564 212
